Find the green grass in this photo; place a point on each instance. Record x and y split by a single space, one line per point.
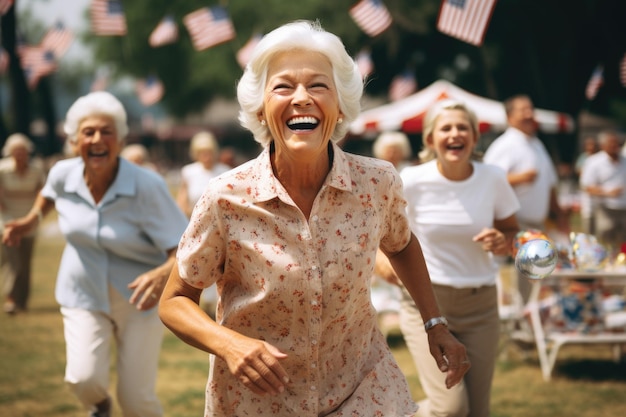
586 382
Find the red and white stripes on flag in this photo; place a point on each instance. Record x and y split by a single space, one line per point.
595 82
107 18
371 16
402 85
244 54
150 91
5 6
57 40
164 33
209 26
36 63
466 20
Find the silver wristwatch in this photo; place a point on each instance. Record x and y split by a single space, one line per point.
435 321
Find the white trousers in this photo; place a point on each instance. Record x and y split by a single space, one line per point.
89 336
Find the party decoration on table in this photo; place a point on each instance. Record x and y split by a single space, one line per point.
588 254
524 236
536 258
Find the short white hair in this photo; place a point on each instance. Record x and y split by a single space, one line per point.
307 36
203 140
99 103
17 140
388 139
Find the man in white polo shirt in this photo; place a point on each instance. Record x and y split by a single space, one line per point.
603 177
529 169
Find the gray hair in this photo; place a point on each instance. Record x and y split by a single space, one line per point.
99 103
17 140
301 35
388 139
427 154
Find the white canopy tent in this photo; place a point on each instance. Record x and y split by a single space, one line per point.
407 114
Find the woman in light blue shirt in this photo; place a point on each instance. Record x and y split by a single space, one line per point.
122 228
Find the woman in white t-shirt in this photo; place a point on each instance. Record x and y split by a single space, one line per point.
463 213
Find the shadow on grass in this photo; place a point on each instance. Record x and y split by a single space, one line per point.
591 370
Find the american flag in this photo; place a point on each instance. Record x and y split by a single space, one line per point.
466 20
107 18
5 5
364 63
57 40
244 54
4 61
402 85
371 16
164 33
622 71
36 63
209 26
595 82
150 91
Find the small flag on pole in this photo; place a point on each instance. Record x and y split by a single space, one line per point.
5 6
371 16
209 26
107 18
364 63
166 32
57 40
150 91
466 20
595 82
402 85
36 63
244 54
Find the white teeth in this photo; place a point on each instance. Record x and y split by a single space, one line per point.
302 119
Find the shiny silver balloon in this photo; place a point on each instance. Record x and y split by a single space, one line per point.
536 259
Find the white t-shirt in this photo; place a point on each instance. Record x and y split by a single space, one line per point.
197 177
600 170
445 215
515 152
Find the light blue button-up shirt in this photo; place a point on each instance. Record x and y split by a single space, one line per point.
126 234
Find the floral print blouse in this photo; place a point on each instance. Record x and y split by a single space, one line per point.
302 285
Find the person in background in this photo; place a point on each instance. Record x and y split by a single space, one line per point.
122 228
139 155
21 178
603 177
393 147
290 238
590 147
204 151
463 212
529 170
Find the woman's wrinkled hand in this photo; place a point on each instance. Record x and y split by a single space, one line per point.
256 364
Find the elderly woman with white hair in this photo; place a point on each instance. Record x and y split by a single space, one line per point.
122 228
394 147
21 178
290 238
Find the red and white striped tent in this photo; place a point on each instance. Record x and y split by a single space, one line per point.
407 114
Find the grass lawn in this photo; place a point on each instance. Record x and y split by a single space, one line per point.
586 382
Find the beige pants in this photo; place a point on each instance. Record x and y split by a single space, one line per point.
89 336
472 314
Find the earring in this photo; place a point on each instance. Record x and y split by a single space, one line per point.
263 123
340 120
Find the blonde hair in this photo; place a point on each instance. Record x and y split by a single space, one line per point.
202 141
427 154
